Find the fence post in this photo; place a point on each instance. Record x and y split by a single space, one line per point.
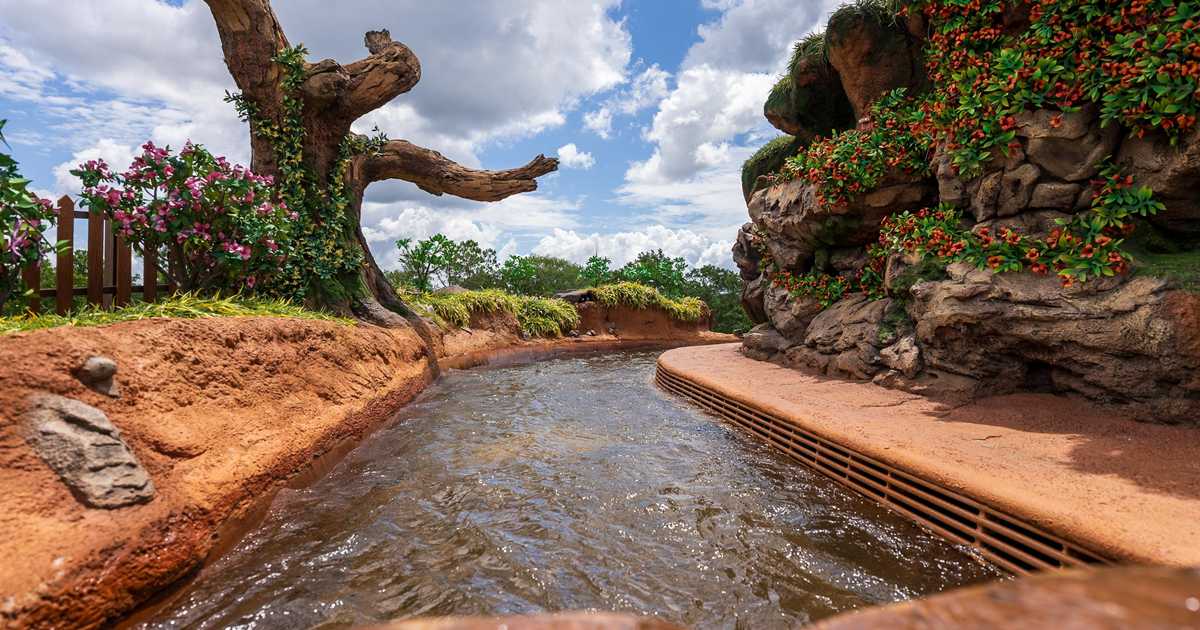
64 281
150 275
124 271
33 281
95 278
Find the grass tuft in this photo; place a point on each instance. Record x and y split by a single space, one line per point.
768 159
538 317
633 295
183 306
811 48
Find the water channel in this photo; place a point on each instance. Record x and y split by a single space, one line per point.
569 484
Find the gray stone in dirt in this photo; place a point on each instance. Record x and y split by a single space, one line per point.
98 373
79 443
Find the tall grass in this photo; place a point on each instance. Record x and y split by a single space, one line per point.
538 317
633 295
182 306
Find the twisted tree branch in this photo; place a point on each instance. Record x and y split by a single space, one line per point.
437 175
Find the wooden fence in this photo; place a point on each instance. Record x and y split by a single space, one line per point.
109 267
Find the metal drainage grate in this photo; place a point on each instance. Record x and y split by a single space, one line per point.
1011 544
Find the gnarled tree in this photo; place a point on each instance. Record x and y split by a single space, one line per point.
331 96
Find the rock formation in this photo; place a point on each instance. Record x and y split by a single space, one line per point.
80 443
1129 338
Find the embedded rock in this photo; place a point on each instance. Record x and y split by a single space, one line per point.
1112 339
745 253
844 339
1074 159
1044 123
986 196
813 102
904 356
799 225
764 343
86 451
1056 195
788 314
872 58
1016 189
753 296
97 373
1172 172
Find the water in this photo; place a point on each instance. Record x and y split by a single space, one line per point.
566 485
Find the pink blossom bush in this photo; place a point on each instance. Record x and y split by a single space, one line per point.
223 228
23 216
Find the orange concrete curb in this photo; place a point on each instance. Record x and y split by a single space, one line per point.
1124 490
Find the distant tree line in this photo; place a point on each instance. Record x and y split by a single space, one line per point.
438 261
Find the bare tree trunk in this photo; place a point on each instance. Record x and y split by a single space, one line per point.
334 96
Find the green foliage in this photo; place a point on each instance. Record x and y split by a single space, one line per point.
537 316
884 12
809 49
546 317
21 216
780 98
656 270
638 296
597 271
856 161
326 262
766 161
539 275
721 290
181 306
1137 61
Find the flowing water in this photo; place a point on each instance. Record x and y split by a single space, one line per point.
565 485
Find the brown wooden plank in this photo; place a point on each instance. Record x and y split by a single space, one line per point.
110 263
150 275
64 274
124 271
32 275
95 238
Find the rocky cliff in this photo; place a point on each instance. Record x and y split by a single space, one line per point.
981 200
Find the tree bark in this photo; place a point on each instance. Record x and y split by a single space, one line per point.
334 96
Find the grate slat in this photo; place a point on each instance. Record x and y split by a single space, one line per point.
1008 542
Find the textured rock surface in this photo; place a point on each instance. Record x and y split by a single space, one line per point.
844 339
1108 599
799 225
817 105
99 373
872 58
789 315
83 447
1110 340
764 343
1173 172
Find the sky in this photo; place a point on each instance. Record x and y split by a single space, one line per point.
651 106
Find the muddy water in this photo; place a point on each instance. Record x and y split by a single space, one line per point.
568 484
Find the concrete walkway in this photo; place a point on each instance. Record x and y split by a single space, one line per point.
1126 490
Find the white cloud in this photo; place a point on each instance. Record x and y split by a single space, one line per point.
570 156
645 90
622 247
119 157
599 122
711 120
135 69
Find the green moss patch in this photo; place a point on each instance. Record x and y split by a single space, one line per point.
769 159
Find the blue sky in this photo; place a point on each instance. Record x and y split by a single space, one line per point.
651 105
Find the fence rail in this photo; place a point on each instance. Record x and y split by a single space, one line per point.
109 267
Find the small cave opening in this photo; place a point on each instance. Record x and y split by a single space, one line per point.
1039 377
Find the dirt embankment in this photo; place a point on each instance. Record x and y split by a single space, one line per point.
220 413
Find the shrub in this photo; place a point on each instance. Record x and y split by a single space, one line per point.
224 229
638 296
22 215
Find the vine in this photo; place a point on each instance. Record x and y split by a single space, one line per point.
323 262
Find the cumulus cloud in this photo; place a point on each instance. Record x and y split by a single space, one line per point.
133 70
645 90
570 156
622 247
